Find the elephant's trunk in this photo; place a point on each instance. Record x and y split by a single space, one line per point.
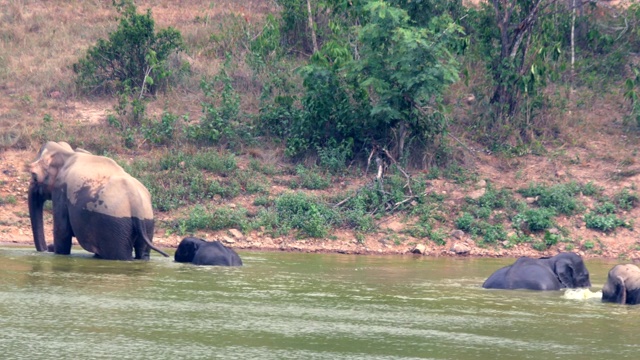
36 200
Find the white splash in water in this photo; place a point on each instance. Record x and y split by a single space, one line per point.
581 294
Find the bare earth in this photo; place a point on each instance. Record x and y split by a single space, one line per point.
602 153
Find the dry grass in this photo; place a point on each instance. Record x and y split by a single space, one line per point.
41 40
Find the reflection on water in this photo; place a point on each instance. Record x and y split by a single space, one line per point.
297 306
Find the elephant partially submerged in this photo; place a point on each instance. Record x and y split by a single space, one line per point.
201 252
623 285
565 270
94 200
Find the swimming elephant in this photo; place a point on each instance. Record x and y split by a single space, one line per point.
94 200
623 285
565 270
201 252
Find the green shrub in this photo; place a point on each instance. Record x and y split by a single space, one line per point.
493 234
202 218
534 219
311 179
465 222
606 208
134 56
160 132
605 223
304 213
626 200
560 197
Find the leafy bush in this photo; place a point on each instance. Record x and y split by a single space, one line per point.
465 222
202 218
626 200
160 132
493 234
304 213
310 179
560 197
134 56
535 219
605 223
221 110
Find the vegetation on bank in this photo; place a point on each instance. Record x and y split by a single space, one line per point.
358 89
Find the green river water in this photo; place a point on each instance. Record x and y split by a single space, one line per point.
296 306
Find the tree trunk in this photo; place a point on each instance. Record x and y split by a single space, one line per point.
311 27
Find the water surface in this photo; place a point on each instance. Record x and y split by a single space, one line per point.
296 306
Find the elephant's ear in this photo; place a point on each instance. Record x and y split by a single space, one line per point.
620 290
565 272
56 162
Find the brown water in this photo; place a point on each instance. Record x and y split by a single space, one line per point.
296 306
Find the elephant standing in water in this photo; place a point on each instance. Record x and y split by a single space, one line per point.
200 252
94 200
623 285
565 270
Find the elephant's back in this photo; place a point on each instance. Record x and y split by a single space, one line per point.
99 184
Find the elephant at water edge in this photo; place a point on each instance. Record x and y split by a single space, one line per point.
623 285
564 270
94 200
201 252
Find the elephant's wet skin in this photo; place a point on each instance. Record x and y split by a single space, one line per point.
623 285
94 200
565 270
201 252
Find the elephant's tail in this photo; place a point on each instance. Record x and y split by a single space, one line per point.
143 233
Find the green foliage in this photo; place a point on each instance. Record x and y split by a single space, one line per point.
559 197
535 219
134 56
203 218
160 132
465 222
626 200
407 69
9 199
604 222
310 179
304 213
178 178
221 111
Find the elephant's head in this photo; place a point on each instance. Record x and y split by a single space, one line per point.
571 270
44 171
187 249
622 285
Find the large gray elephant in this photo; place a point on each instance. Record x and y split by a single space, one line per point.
623 285
565 270
94 200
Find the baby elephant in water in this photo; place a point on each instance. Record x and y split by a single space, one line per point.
200 252
623 285
565 270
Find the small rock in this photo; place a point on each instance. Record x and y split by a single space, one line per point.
531 200
458 234
460 248
475 195
419 249
233 206
482 183
228 239
236 233
560 173
554 231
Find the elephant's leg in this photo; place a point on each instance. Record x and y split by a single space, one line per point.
142 250
62 232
